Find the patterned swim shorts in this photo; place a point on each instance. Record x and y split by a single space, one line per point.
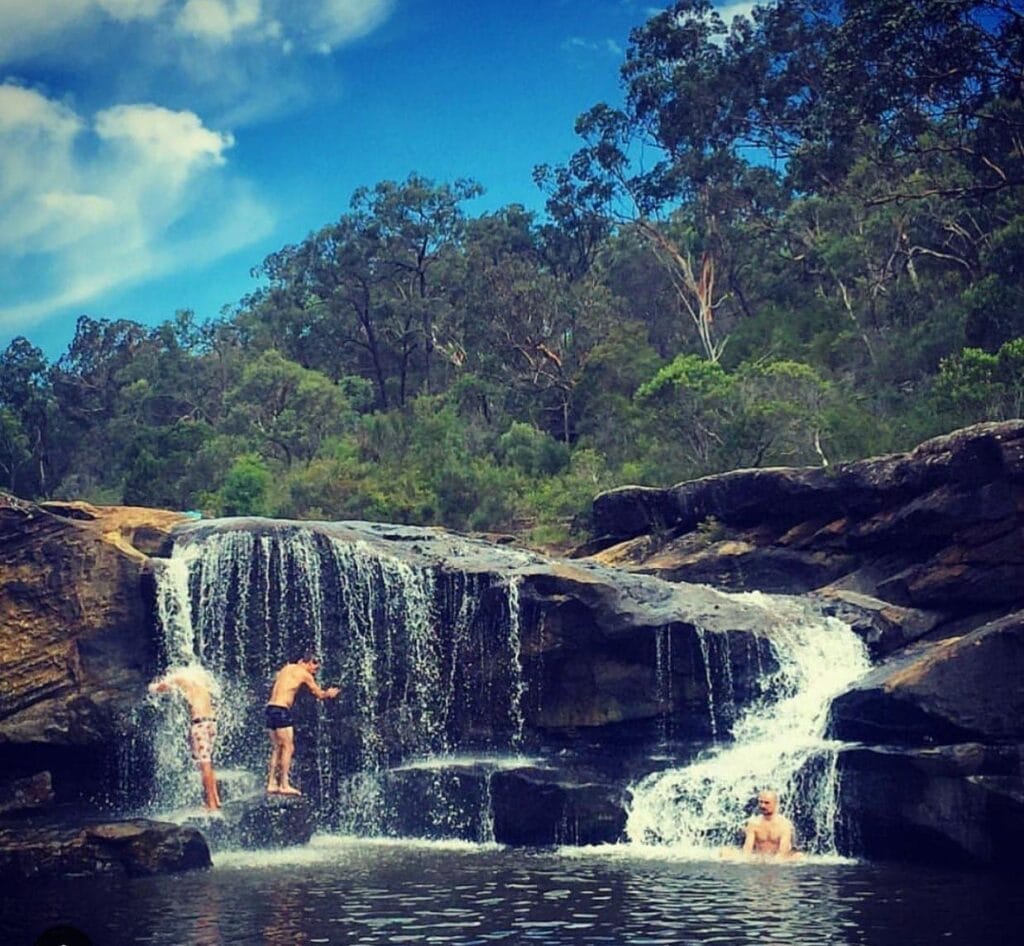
201 735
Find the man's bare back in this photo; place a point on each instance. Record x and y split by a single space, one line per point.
287 682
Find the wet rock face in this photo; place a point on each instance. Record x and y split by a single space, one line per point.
532 808
26 794
959 804
923 554
258 822
134 848
75 633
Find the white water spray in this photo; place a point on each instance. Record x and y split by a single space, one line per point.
778 743
396 636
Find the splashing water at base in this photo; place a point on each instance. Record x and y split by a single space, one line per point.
778 743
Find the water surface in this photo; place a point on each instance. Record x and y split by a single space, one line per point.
347 891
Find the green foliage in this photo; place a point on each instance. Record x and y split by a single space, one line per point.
286 411
246 488
14 448
169 466
974 385
407 362
532 451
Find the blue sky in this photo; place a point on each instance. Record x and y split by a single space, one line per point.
153 151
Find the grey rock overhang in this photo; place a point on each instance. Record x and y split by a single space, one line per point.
621 602
967 458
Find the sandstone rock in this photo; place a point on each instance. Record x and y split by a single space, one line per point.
133 848
884 627
256 822
75 635
959 805
960 689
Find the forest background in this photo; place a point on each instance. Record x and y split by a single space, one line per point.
800 240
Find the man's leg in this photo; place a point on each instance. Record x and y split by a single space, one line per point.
273 780
287 751
209 786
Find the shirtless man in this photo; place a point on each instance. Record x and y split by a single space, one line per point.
279 719
769 833
195 684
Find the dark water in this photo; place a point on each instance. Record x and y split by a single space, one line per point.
355 892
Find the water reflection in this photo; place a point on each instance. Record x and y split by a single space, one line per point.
354 892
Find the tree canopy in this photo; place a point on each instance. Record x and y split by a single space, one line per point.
796 240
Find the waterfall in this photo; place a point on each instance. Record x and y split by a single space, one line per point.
401 640
776 743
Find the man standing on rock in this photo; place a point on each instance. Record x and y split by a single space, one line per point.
769 833
279 718
198 687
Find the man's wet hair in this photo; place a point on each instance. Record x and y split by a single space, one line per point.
309 655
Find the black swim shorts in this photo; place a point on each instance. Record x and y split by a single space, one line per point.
278 717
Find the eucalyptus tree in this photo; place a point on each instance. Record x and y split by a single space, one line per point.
364 295
673 161
27 419
534 331
414 225
285 412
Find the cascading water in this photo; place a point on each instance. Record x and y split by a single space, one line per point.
776 743
400 640
424 640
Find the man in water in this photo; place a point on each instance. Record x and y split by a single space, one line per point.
279 718
769 833
196 686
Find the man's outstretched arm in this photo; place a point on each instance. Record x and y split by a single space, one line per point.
329 694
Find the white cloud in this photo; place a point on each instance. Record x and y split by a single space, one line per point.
340 21
47 28
28 27
602 46
221 21
103 203
161 136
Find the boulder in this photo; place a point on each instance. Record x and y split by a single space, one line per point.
955 804
271 821
133 848
965 688
531 807
939 527
76 642
26 794
885 628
